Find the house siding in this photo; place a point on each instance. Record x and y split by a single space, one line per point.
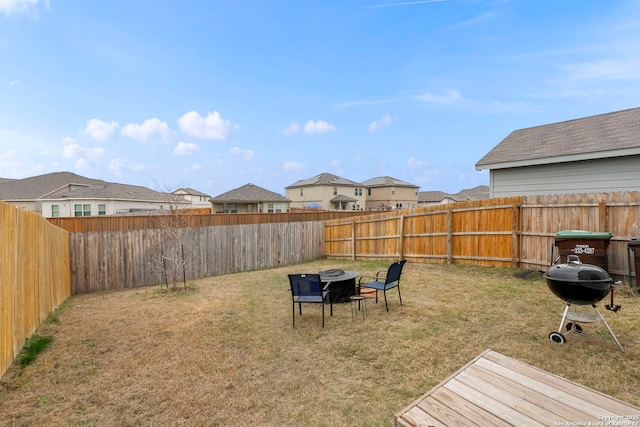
589 176
382 197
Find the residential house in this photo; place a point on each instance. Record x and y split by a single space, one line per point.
65 194
387 193
250 199
327 191
588 155
430 198
197 198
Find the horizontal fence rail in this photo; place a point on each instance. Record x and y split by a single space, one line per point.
506 232
34 276
131 222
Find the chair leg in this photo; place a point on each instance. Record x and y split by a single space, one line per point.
385 300
399 295
300 308
322 304
293 312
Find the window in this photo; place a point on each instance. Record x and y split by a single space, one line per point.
358 191
368 191
269 207
81 210
102 209
393 190
55 211
335 191
230 208
278 207
301 192
398 205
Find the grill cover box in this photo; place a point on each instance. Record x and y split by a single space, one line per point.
590 246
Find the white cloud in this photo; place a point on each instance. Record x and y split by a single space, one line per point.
185 148
451 96
100 130
212 127
119 165
384 122
320 126
71 149
292 129
606 69
293 167
147 130
414 163
245 154
9 7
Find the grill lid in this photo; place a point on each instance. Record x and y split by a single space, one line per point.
576 271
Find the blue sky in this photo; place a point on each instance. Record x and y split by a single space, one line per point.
217 94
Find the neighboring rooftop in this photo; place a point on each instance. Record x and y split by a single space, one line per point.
324 179
606 135
47 186
249 193
480 192
387 181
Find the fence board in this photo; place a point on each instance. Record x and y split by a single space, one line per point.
120 259
516 231
34 276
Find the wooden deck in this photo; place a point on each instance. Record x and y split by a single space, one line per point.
496 390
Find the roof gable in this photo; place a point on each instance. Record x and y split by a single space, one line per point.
605 135
249 193
324 179
387 181
37 187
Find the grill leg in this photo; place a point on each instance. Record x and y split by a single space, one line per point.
564 317
608 328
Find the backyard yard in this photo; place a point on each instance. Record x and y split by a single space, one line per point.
225 353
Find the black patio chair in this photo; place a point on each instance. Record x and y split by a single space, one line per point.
307 288
383 282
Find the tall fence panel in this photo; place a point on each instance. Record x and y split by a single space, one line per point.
514 231
35 276
109 260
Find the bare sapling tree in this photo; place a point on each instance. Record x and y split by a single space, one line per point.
169 259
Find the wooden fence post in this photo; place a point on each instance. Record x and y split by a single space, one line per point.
449 235
515 241
602 216
401 232
353 240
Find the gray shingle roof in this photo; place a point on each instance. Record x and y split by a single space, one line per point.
324 179
480 192
112 191
249 193
37 187
341 198
192 192
46 186
387 181
606 135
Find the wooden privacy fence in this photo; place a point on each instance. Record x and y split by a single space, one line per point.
515 231
34 276
126 222
132 258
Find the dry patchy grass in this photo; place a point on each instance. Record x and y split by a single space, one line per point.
225 353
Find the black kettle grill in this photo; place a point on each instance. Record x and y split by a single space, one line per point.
580 284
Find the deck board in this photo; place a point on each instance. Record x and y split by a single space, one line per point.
497 390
